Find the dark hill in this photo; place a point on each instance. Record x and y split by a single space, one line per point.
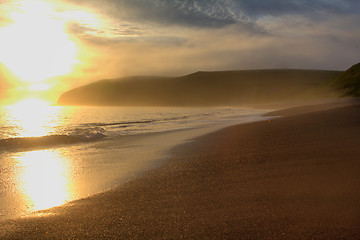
349 81
205 89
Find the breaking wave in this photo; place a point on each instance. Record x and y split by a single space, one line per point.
26 143
92 124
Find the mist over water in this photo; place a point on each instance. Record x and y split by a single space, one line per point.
52 125
65 153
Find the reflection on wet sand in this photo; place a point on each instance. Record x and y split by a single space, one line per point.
43 179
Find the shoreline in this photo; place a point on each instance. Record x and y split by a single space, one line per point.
99 166
194 194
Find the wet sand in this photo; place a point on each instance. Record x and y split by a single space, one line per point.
296 177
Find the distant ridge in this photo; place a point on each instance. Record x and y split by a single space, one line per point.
218 88
349 81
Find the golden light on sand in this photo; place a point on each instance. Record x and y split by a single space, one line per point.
35 46
44 179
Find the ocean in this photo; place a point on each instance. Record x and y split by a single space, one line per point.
51 155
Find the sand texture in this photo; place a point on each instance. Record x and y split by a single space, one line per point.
296 177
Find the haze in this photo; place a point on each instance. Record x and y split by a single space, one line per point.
59 45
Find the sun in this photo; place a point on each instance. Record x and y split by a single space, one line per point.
35 46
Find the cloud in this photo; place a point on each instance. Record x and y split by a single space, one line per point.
216 13
260 8
5 9
289 41
149 20
161 37
210 13
141 37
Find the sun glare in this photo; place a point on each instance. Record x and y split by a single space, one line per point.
30 104
32 117
45 180
35 46
39 87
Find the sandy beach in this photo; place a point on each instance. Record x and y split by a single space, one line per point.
295 177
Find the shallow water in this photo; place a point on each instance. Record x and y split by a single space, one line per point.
54 155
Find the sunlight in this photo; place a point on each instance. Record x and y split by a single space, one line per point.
44 179
35 47
39 87
33 117
29 104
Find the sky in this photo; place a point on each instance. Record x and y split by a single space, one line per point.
87 40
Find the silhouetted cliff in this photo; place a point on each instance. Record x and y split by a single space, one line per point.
205 89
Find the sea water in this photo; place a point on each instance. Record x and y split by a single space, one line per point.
51 155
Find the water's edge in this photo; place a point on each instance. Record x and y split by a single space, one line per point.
141 153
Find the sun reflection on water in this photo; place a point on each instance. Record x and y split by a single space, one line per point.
45 179
34 118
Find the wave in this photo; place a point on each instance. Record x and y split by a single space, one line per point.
86 132
124 124
94 131
28 143
131 123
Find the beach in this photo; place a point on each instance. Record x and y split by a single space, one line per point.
292 177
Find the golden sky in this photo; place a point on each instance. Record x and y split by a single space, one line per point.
50 46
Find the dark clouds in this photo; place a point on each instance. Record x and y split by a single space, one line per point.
260 8
190 13
150 19
211 13
219 13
